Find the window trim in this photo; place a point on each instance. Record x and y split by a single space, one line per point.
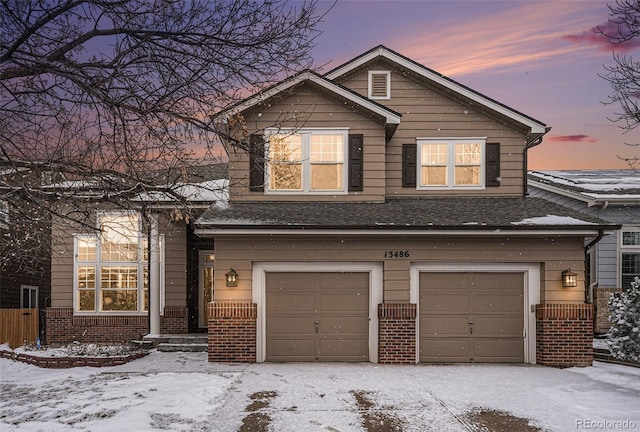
97 263
306 161
30 288
387 75
450 165
625 249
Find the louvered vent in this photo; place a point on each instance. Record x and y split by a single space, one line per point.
379 85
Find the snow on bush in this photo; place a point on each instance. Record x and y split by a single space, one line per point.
624 336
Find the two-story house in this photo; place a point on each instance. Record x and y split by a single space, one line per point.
376 213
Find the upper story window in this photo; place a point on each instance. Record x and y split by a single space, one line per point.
629 256
451 163
379 84
310 161
111 268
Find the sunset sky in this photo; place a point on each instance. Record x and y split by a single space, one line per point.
539 57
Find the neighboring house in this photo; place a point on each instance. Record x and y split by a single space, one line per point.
24 274
375 213
25 264
611 195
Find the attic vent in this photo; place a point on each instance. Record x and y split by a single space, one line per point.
379 84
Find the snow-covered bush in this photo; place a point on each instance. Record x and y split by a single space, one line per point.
624 336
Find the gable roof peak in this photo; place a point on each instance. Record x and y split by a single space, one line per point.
537 128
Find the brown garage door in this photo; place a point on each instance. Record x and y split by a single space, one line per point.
471 317
317 316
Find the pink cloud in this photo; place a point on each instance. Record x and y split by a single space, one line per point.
600 37
573 139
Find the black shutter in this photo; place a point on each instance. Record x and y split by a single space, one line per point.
409 167
492 166
355 162
256 163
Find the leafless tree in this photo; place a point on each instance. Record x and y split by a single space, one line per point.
119 93
623 32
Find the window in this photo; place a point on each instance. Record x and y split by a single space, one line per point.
111 273
379 85
306 161
28 297
451 163
629 256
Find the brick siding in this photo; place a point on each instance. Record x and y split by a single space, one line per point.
63 327
564 334
601 299
397 333
232 332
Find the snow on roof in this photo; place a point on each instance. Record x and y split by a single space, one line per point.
208 191
552 220
597 184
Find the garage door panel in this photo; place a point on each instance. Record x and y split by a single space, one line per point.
343 279
498 303
498 326
497 281
291 302
290 325
344 349
444 281
445 302
499 350
445 350
344 325
478 317
344 301
437 325
291 349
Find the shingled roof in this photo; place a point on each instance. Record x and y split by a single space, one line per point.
422 213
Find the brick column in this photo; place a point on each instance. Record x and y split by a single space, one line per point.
564 335
602 324
232 332
397 333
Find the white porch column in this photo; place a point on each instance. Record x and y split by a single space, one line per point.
154 277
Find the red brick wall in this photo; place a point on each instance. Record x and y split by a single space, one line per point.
63 327
564 335
397 333
232 332
601 299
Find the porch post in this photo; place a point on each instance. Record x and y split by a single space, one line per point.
154 277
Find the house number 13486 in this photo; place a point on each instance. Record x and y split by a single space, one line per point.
396 254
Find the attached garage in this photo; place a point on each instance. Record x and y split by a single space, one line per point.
317 316
473 316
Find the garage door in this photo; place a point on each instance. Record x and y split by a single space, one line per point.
471 317
317 316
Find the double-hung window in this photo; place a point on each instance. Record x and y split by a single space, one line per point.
310 161
629 256
111 268
451 163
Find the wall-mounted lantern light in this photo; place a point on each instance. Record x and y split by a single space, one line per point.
232 278
569 279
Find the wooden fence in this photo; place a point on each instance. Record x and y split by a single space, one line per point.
18 326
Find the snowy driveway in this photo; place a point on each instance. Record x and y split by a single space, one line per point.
182 392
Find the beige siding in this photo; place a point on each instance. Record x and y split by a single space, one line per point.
427 113
554 255
63 259
313 110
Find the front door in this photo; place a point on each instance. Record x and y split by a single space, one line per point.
205 288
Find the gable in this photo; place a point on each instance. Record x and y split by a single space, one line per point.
438 81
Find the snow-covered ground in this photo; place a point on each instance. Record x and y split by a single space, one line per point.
182 392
